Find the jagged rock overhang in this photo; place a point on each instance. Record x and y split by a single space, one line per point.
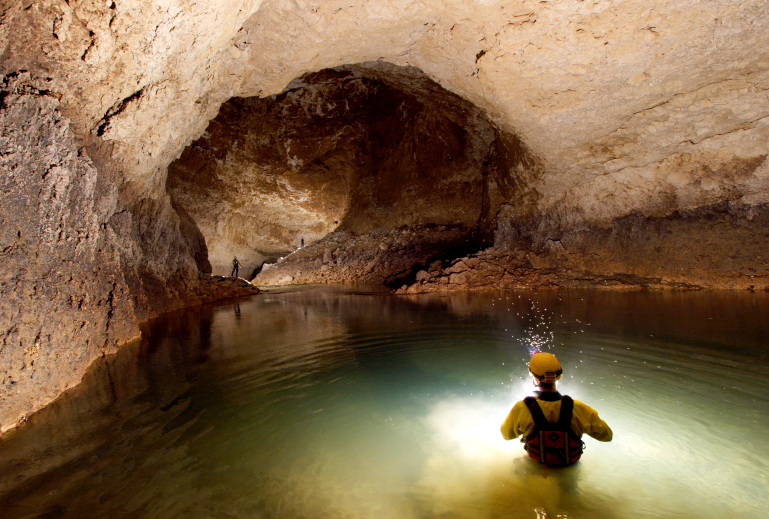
366 148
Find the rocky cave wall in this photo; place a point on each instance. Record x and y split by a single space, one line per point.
647 119
362 149
80 270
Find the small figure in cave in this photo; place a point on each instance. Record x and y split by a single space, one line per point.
235 267
552 424
302 246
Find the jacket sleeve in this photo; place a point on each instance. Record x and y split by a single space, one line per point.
518 422
592 424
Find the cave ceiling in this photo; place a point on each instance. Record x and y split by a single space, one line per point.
618 99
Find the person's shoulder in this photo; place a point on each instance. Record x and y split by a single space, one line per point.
519 404
583 405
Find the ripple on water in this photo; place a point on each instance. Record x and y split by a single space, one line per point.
323 403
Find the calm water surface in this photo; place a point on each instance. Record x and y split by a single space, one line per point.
331 403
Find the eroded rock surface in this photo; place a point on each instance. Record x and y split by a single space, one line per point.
80 269
391 257
65 300
719 246
360 149
630 138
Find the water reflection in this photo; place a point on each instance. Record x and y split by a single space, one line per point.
322 403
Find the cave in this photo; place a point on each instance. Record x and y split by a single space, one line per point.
376 169
386 176
428 149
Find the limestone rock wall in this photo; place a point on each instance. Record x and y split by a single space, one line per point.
605 113
613 96
80 270
92 241
622 101
141 76
366 148
723 246
382 257
65 300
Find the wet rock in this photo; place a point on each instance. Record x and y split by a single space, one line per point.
355 148
365 262
721 246
215 288
422 275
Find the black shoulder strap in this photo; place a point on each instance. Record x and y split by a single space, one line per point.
536 412
567 410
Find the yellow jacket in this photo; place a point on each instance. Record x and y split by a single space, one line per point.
585 419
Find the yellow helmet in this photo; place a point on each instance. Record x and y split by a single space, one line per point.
545 366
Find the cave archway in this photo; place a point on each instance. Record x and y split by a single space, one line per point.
363 150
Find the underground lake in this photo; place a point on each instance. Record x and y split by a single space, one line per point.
320 402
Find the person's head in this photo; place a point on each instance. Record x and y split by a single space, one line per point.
546 369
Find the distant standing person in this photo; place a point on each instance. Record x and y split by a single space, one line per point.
552 424
302 247
235 267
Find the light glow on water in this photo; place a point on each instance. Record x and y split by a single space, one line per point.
329 404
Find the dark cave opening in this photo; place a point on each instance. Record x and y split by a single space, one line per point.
362 150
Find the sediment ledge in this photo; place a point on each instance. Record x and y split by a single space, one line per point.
390 257
218 288
719 246
493 270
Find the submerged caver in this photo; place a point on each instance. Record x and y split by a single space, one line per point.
552 424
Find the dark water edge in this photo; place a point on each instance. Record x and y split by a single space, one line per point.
79 449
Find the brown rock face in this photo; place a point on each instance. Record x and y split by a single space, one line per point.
718 246
57 257
390 257
81 267
359 149
385 155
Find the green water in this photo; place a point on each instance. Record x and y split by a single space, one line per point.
322 403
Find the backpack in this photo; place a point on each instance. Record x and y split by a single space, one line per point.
553 443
